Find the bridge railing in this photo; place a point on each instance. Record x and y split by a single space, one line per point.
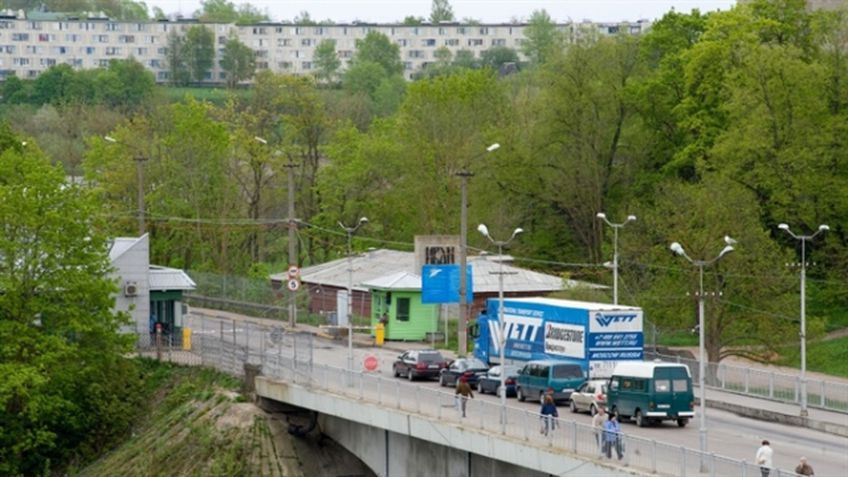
229 345
763 383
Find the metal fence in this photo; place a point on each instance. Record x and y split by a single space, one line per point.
234 346
761 383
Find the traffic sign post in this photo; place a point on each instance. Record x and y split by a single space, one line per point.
294 271
293 284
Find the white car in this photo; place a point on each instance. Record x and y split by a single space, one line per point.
589 396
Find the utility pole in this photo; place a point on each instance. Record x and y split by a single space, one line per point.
462 332
139 165
293 261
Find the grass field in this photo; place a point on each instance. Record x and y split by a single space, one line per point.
829 357
213 95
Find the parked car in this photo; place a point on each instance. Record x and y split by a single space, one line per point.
491 381
470 368
538 377
590 396
419 364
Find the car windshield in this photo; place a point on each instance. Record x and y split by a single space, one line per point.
475 364
430 357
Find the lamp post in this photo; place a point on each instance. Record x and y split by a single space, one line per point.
502 325
350 231
615 227
292 223
678 250
139 159
803 239
464 174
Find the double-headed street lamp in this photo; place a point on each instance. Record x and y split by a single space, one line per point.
464 174
350 231
502 325
803 239
678 250
615 227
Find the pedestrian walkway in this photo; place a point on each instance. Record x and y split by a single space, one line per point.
750 407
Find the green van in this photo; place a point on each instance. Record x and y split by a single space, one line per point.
536 377
651 392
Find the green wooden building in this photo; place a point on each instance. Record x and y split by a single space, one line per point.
396 301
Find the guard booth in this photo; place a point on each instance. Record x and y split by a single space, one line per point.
166 301
396 303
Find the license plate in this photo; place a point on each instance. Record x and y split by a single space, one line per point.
433 366
664 406
568 390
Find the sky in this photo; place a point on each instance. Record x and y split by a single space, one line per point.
488 11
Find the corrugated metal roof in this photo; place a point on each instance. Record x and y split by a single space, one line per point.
583 305
164 279
382 263
121 244
396 281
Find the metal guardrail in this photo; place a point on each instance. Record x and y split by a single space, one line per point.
765 384
229 345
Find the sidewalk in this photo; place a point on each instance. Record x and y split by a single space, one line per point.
750 407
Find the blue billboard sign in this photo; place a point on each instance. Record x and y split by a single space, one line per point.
440 284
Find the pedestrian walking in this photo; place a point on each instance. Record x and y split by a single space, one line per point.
463 391
598 425
804 468
548 415
764 458
612 437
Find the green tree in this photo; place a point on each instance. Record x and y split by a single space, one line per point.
496 56
199 51
125 84
238 61
326 60
303 18
541 39
465 59
378 48
441 11
411 20
67 389
179 72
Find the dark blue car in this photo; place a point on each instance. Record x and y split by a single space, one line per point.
492 380
469 368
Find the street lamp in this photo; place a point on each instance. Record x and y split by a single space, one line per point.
502 325
464 174
678 250
350 231
292 222
139 159
615 227
803 239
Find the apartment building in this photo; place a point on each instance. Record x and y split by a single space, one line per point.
30 46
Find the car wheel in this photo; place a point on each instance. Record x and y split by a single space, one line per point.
682 422
410 375
442 381
640 420
397 374
573 406
521 396
593 410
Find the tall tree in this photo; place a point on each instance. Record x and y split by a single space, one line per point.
238 61
327 61
378 48
441 11
541 39
179 72
199 51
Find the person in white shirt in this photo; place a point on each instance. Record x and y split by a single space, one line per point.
598 425
764 454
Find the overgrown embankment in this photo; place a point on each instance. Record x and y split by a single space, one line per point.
197 424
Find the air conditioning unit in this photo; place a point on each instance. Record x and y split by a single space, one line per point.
130 289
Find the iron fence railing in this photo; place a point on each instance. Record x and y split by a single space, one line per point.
762 383
229 345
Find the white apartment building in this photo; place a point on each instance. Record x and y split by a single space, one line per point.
28 47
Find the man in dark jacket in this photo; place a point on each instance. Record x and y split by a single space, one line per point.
463 391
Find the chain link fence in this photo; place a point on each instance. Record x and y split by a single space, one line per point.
761 383
241 348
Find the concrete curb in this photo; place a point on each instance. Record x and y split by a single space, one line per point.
779 417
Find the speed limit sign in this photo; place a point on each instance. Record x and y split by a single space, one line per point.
293 271
294 284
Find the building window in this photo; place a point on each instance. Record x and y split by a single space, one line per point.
416 54
484 30
475 42
402 43
429 42
498 42
452 42
306 42
20 36
113 27
306 65
402 309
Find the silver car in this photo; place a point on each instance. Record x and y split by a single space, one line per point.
590 396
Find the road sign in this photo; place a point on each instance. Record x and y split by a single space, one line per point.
293 271
440 284
293 284
370 363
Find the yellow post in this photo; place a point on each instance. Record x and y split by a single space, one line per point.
379 334
187 339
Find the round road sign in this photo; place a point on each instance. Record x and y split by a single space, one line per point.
293 271
294 284
370 363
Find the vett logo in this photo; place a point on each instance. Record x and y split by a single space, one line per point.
606 320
